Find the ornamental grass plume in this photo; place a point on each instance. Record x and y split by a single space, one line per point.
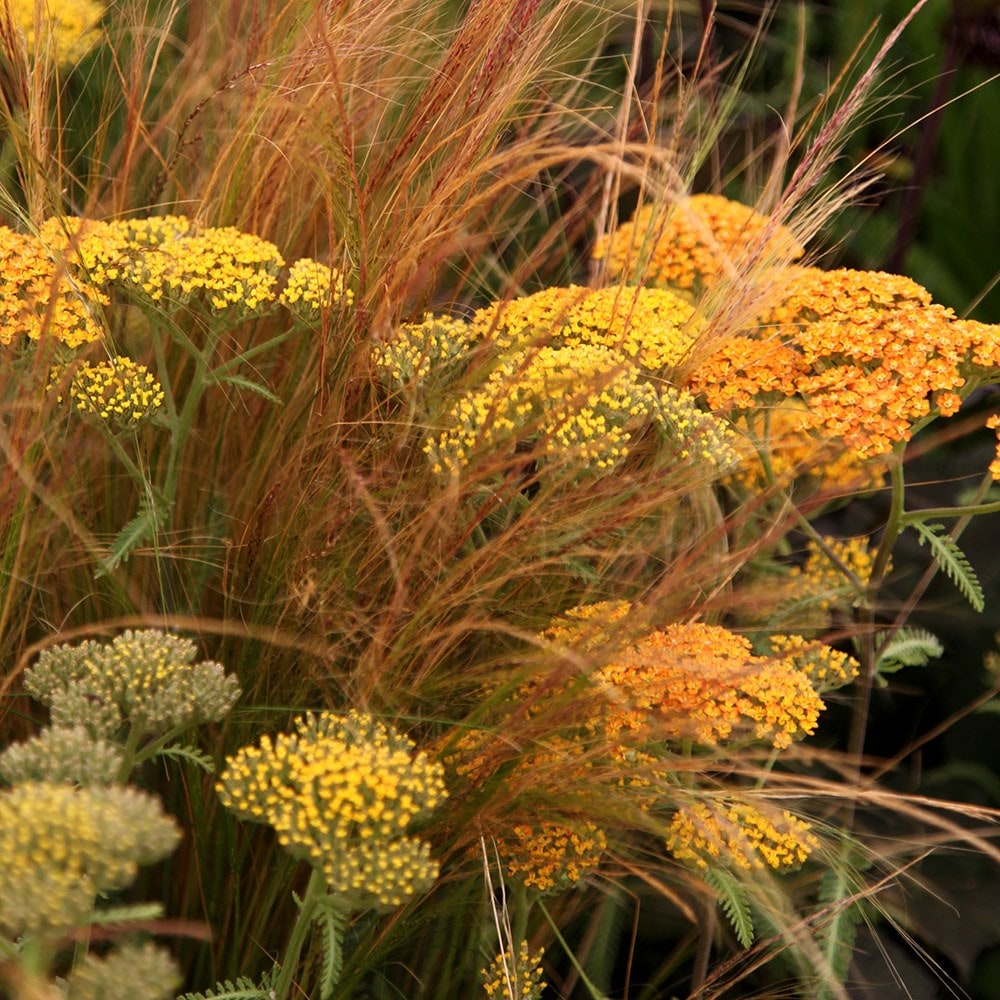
342 792
62 846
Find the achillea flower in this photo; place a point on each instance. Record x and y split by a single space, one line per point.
580 403
415 351
231 269
739 835
146 679
699 682
826 667
119 392
551 856
650 327
69 756
70 27
693 243
515 977
821 582
130 972
577 404
312 288
797 451
62 846
342 792
39 297
867 352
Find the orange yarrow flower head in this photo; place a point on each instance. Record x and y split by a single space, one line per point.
691 682
693 243
868 352
550 855
740 836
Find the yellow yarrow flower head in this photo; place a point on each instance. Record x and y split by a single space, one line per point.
130 972
514 977
416 351
118 393
146 678
577 404
342 792
313 288
68 27
692 244
650 327
740 836
550 855
61 846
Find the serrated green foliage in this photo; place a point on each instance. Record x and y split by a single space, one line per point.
952 561
152 517
178 751
836 934
735 903
242 988
908 647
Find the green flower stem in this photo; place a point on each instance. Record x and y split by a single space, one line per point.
181 430
314 895
866 653
226 367
589 986
129 754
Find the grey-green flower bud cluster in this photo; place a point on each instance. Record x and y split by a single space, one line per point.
146 678
70 756
61 846
131 972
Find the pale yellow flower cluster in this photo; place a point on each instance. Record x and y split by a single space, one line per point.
341 792
61 846
739 835
515 977
145 678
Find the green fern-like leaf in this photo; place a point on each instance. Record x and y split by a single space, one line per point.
837 935
908 647
952 560
243 988
734 902
152 517
178 751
